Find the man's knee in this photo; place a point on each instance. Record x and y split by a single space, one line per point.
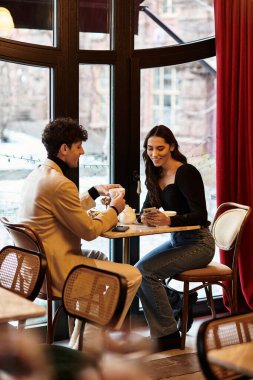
139 265
135 278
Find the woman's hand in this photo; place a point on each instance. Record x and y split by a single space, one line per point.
155 218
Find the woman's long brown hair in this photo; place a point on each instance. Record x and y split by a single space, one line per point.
153 174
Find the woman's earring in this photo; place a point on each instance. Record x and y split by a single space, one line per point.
138 187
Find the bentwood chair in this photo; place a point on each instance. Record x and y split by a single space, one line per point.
24 236
216 337
94 295
227 229
22 271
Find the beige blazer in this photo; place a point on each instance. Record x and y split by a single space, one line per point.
51 205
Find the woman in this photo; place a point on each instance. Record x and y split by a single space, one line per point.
172 184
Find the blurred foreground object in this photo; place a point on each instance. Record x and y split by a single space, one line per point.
21 357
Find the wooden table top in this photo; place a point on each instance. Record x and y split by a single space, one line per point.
237 357
139 229
15 308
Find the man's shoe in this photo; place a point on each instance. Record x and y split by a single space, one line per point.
193 297
167 342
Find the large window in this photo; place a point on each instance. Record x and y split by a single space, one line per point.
120 67
24 99
28 21
182 97
95 24
94 111
167 22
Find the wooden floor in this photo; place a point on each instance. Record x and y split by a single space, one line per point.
190 348
190 340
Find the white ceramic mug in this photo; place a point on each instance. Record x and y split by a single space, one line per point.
127 216
115 191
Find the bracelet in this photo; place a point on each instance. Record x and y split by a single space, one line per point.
114 208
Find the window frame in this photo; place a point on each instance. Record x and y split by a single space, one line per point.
126 65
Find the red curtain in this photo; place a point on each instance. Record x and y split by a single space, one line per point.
234 50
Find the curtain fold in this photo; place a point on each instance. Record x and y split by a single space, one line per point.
234 157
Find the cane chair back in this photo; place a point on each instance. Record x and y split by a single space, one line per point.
227 229
221 333
22 271
94 295
24 236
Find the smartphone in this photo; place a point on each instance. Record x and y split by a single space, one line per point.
120 228
148 210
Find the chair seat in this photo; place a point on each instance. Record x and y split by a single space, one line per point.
212 272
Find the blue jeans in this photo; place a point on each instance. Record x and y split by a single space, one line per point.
186 250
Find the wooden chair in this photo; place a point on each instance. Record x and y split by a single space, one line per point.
24 236
22 271
227 229
94 295
219 333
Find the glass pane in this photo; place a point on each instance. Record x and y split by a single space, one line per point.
95 24
28 21
188 108
24 99
94 114
169 22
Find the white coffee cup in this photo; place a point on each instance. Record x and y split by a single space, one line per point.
169 213
115 191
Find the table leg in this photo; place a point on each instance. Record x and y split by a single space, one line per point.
126 260
126 253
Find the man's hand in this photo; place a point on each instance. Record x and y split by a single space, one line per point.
104 189
119 202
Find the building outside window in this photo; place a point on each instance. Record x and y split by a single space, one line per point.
165 95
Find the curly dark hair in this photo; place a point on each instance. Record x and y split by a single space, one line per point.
153 174
60 131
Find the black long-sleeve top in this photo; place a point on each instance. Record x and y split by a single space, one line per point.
186 196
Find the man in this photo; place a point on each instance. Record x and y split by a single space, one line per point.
52 207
